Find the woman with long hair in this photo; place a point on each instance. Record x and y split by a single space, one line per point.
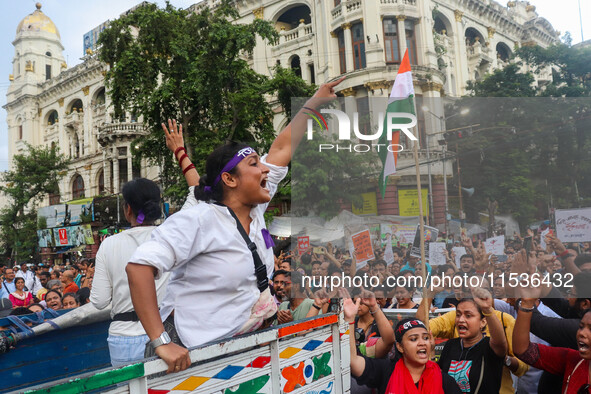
209 248
127 338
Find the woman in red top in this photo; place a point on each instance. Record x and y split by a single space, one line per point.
20 297
572 364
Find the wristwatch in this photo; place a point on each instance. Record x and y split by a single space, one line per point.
508 361
163 339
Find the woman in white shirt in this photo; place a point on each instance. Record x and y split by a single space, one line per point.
127 338
213 287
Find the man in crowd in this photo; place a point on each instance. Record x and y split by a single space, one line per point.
8 285
67 279
297 305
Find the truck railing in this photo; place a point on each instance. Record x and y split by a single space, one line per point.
307 356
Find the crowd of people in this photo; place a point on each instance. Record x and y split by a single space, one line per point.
522 326
29 287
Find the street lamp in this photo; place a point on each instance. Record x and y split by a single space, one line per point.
442 119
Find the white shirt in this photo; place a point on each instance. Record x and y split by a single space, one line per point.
31 281
213 285
110 279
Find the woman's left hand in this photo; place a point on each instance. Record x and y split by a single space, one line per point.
174 135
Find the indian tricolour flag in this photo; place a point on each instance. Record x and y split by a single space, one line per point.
401 100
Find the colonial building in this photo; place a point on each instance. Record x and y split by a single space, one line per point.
53 105
449 41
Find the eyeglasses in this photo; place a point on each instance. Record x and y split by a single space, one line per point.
584 389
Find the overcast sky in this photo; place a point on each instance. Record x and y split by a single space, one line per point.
74 18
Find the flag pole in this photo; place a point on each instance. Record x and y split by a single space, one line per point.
422 230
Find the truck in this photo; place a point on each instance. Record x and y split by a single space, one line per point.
306 356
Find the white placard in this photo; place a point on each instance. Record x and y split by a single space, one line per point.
437 253
459 252
573 225
543 238
495 245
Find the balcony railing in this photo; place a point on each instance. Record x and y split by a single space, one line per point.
111 131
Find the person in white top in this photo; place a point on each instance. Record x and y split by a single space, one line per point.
213 286
32 283
127 339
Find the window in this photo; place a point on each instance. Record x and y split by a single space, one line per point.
47 71
48 54
296 66
358 46
54 198
312 73
101 183
364 115
20 132
411 42
78 187
342 57
337 2
391 41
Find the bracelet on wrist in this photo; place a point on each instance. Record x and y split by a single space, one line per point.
181 159
488 314
180 148
188 168
316 306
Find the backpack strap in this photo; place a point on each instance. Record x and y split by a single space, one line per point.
260 269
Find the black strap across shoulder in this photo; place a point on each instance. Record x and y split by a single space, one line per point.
260 269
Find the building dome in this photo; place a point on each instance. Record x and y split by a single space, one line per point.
37 22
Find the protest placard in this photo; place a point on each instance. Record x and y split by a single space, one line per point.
388 252
437 253
459 251
303 244
429 236
362 249
573 225
495 245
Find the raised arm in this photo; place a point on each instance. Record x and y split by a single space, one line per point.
176 144
498 342
288 140
350 310
386 339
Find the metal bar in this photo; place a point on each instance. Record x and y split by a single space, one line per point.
336 359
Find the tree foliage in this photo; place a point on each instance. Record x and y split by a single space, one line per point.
169 63
532 152
34 175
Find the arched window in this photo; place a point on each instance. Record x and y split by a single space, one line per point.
503 51
78 187
296 66
76 106
52 118
101 183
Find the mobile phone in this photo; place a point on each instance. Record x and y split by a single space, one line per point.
318 250
501 258
527 244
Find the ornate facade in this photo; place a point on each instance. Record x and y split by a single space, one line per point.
450 42
53 105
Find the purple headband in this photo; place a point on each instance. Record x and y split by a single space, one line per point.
242 153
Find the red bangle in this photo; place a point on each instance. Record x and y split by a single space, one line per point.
188 168
180 148
181 159
563 254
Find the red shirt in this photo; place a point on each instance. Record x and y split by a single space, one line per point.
559 361
71 288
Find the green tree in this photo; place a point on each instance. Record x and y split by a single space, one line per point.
506 82
169 63
34 175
